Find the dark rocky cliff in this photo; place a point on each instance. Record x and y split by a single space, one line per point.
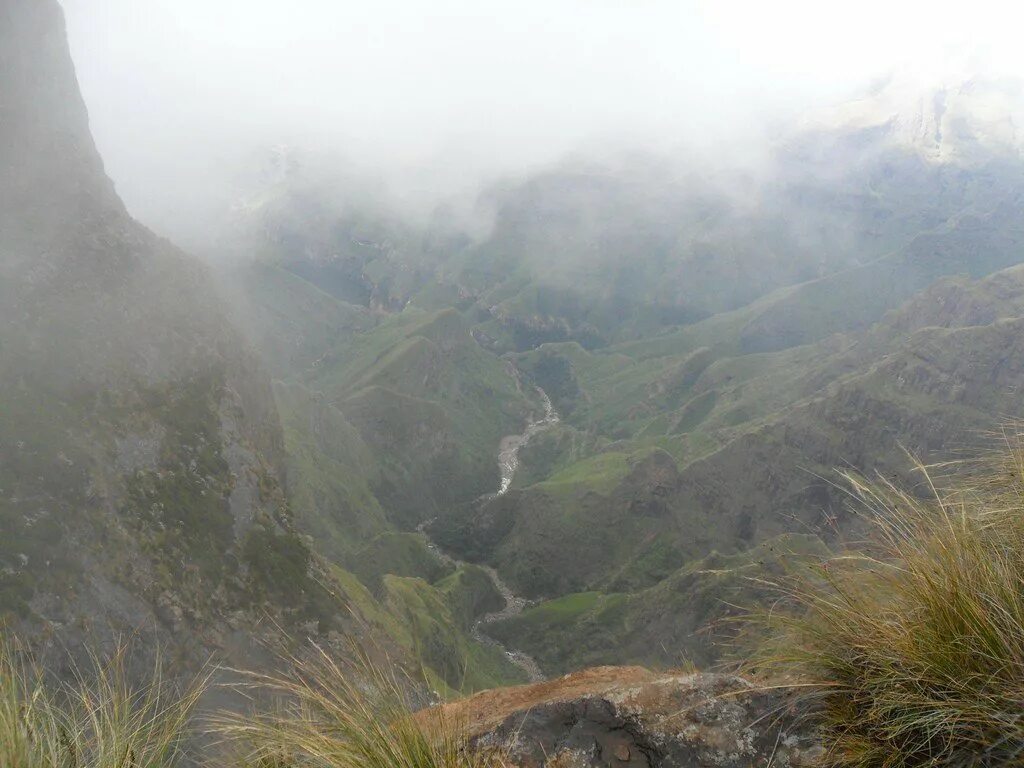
139 443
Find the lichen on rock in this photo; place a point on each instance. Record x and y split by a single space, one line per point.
629 716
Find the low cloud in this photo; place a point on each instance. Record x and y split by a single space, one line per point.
432 99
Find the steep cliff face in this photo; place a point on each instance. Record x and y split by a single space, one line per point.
49 161
139 445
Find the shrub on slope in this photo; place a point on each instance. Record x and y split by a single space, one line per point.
100 721
349 715
916 649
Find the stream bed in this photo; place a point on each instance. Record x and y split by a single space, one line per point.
508 463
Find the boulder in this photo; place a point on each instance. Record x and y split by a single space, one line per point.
628 716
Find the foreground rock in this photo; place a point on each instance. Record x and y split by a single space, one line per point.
629 716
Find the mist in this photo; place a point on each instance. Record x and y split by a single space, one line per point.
502 343
430 100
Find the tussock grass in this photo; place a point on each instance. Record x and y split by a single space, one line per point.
351 714
100 721
915 650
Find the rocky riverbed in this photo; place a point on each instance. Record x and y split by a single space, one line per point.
508 463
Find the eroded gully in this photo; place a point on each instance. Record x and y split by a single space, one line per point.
508 463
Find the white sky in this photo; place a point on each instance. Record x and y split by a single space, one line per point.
460 88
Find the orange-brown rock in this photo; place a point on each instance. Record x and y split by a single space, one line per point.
630 716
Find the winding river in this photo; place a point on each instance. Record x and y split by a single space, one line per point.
508 463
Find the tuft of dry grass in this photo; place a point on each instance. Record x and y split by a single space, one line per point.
100 721
347 714
914 651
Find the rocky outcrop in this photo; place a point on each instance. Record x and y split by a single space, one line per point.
140 448
629 716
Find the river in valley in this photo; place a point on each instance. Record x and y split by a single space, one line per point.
508 463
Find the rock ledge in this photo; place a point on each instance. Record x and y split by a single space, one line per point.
629 716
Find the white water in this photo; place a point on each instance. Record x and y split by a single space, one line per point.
508 449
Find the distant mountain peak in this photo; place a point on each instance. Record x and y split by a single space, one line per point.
947 118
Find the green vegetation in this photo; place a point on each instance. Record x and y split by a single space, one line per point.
470 593
915 650
684 618
331 473
669 437
700 407
597 474
101 720
183 500
291 321
399 554
393 426
431 625
710 360
390 426
590 503
330 714
282 571
439 621
355 715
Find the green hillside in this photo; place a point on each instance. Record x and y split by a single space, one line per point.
689 424
659 365
685 618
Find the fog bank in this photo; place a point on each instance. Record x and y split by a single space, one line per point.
435 97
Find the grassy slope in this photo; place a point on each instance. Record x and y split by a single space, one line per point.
750 466
682 618
910 648
431 404
431 623
291 321
389 423
707 436
330 473
398 554
441 640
